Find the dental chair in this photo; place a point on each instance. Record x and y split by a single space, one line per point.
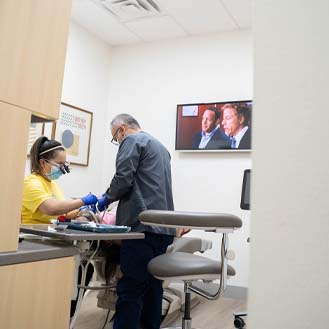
173 302
173 295
187 267
107 273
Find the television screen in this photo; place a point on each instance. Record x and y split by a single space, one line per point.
222 126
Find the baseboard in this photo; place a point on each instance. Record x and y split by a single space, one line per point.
234 292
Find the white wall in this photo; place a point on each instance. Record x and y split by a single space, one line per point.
289 280
86 81
149 80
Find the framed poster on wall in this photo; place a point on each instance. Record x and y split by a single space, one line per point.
35 131
48 130
73 130
38 129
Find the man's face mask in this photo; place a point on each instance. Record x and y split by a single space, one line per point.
55 173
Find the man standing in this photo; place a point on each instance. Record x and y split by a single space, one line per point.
210 136
235 123
142 181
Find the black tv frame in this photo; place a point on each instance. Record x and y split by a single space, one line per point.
210 150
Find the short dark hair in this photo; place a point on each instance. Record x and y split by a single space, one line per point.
41 145
215 110
125 119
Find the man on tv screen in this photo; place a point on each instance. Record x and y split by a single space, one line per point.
210 136
236 121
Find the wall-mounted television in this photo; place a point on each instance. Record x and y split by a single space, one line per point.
220 126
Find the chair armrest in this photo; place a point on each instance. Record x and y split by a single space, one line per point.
193 220
189 245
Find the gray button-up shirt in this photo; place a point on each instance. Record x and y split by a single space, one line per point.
142 181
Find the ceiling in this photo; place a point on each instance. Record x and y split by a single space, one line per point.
120 22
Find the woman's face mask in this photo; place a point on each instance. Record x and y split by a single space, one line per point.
56 167
55 173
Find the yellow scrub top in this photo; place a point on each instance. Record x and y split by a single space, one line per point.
37 190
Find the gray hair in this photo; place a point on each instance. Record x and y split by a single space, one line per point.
125 119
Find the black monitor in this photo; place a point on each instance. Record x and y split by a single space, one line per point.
190 128
245 194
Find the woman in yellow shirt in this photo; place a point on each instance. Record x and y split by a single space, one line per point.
43 199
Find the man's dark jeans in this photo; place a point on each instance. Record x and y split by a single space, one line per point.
140 294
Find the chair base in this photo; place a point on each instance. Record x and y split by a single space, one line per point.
178 328
186 320
186 324
239 322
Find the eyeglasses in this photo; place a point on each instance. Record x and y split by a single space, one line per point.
114 138
64 167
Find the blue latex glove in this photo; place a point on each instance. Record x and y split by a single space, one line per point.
89 199
103 202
